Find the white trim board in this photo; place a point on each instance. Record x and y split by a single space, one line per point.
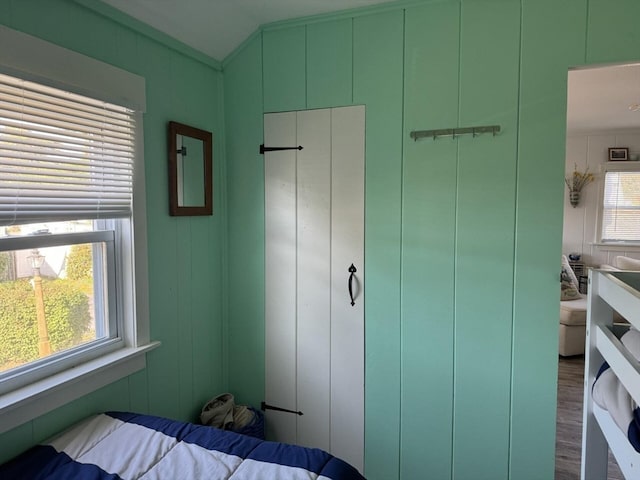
37 60
31 401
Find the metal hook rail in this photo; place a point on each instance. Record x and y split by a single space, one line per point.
455 132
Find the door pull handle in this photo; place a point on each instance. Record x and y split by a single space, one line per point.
352 271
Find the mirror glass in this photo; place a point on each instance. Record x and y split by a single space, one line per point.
190 170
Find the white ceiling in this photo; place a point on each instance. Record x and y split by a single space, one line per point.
599 98
217 27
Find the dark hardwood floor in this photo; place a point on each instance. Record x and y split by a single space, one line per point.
569 421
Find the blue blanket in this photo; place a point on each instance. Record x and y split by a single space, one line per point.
119 445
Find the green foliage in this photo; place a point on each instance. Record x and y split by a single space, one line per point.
66 313
5 261
79 262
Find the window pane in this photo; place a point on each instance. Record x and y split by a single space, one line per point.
621 207
48 228
52 299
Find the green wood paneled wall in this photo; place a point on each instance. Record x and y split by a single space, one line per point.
329 63
377 74
284 51
547 26
428 239
185 254
245 191
462 237
602 46
485 239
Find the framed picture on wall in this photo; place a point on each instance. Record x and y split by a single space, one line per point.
617 154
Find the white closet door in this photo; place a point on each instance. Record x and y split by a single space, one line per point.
280 282
314 232
347 321
314 278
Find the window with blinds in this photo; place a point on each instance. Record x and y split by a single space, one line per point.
66 192
62 156
74 313
621 207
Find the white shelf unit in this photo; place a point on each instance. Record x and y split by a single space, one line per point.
609 291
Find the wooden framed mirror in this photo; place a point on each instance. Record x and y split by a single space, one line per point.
190 171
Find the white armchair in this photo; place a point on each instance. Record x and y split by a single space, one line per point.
573 314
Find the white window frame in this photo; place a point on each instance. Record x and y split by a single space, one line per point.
50 365
625 166
42 62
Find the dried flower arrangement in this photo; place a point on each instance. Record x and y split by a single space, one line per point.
576 183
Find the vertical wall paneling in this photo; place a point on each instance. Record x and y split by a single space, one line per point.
313 199
602 46
219 243
115 395
126 49
163 369
574 219
197 333
93 35
17 440
49 18
512 184
206 334
206 249
597 151
284 71
555 35
559 27
138 388
428 239
378 79
207 314
347 247
59 419
329 64
245 224
183 256
485 239
280 276
184 305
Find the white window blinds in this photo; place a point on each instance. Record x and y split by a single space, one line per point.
621 207
63 156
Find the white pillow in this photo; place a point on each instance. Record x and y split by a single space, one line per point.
631 341
627 263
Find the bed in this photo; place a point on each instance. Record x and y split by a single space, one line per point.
121 445
611 419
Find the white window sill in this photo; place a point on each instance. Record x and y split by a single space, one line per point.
31 401
618 247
